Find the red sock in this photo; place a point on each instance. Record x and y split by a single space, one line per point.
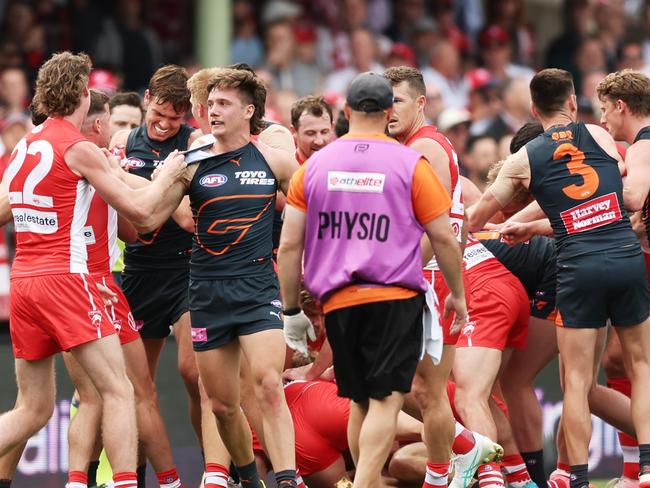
515 469
77 479
564 467
437 475
125 479
489 476
169 479
463 440
216 476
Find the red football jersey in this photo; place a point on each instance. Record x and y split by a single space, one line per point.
49 202
100 234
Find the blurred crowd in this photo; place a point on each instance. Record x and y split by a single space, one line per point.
476 56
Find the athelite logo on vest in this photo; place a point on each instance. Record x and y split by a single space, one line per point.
211 181
354 181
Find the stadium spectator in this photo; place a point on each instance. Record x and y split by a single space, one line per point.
516 109
445 71
496 54
578 18
14 90
482 151
246 46
484 100
510 15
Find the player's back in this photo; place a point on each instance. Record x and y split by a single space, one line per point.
49 202
579 187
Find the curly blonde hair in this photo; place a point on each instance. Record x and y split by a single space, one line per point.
630 86
60 84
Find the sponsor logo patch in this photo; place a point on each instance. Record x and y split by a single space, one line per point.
89 235
276 303
30 220
135 163
254 178
199 334
354 181
212 181
592 214
95 317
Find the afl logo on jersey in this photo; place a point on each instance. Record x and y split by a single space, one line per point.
212 181
135 163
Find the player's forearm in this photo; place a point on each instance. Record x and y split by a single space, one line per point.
449 259
541 227
156 203
529 213
323 361
290 273
634 197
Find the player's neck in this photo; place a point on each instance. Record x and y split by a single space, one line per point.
229 142
76 118
558 119
418 123
634 126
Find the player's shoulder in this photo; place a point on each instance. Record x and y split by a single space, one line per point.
202 140
278 137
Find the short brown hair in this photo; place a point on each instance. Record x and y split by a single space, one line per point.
412 76
60 84
132 99
169 84
550 89
316 106
630 86
251 91
98 101
198 85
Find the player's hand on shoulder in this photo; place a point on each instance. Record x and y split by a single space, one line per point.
299 373
296 329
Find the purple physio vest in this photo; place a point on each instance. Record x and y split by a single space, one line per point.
361 228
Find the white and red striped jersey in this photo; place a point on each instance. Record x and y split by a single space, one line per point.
100 235
49 202
457 210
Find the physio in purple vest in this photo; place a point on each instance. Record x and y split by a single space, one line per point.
358 209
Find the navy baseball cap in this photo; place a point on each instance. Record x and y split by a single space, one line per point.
370 92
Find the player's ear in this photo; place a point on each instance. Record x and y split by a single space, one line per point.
147 97
250 111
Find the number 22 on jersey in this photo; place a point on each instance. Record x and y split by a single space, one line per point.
29 220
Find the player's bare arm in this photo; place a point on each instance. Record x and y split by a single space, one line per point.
437 158
637 183
449 259
292 244
514 172
282 163
125 230
140 206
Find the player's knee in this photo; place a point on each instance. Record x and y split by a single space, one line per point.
119 389
224 412
578 381
402 467
268 388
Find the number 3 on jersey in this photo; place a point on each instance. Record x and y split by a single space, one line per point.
35 176
576 166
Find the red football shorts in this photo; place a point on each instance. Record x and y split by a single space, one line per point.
442 291
320 420
54 313
119 312
498 312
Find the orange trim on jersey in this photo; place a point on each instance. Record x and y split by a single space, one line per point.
243 227
558 319
148 242
358 295
374 136
296 195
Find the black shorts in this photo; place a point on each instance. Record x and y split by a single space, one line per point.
593 288
376 347
543 305
221 310
157 299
